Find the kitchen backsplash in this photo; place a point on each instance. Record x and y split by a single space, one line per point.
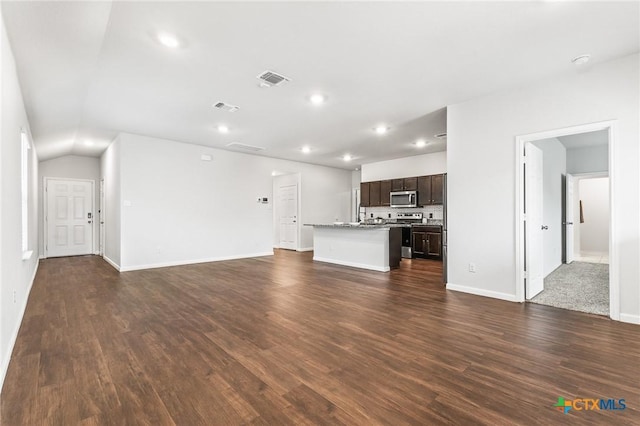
384 212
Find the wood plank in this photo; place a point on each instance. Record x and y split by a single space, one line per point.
283 340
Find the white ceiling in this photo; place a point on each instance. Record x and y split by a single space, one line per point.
90 70
582 140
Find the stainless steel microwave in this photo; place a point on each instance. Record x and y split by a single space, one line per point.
404 199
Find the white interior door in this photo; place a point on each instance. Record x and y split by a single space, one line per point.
69 217
288 212
534 208
568 219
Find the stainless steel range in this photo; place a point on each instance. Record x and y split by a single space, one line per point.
408 219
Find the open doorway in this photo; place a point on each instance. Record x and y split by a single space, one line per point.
564 232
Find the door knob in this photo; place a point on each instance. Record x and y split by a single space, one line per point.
88 221
544 227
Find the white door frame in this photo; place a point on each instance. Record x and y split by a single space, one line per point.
101 223
614 266
46 180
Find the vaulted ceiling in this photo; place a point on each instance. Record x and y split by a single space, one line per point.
90 70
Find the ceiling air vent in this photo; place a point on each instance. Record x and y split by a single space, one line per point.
270 78
244 147
226 107
440 136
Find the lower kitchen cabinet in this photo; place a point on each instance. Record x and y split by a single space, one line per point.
427 242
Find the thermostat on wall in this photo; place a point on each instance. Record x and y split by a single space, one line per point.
263 200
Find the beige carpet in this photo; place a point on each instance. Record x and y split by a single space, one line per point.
578 286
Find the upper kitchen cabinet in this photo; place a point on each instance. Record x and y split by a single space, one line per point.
424 190
406 184
374 193
385 190
364 194
437 189
431 190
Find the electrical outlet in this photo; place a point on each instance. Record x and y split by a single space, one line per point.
472 267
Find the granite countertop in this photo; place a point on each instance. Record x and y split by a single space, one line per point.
433 222
359 226
363 225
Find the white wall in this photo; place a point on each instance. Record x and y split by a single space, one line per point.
588 159
418 165
71 167
177 208
16 274
110 172
594 232
554 168
481 172
356 178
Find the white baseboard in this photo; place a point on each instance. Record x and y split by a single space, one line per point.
14 335
632 319
482 292
112 263
305 249
353 264
194 261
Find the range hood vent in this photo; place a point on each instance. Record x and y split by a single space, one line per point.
226 107
270 78
237 145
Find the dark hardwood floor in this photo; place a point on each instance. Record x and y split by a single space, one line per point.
283 340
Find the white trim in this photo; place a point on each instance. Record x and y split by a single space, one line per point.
482 292
112 263
191 262
14 335
353 264
614 262
305 249
26 255
45 224
631 319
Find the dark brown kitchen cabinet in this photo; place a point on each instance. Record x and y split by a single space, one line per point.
406 184
437 189
411 184
374 193
434 244
431 190
426 242
385 190
364 194
424 190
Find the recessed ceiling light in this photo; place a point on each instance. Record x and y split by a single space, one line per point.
357 168
421 143
306 149
274 173
346 157
581 60
381 130
169 40
89 143
317 99
223 129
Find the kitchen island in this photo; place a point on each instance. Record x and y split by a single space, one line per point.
374 247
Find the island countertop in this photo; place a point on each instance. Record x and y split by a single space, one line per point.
376 247
360 226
